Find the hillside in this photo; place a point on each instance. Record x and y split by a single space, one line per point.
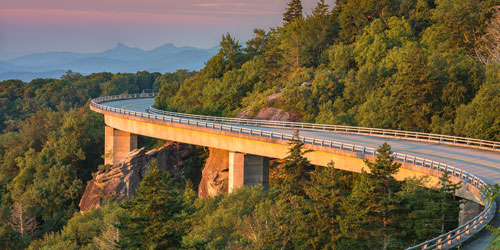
420 65
424 66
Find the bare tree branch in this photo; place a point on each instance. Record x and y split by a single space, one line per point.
488 50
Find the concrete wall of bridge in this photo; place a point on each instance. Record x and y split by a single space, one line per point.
265 147
117 144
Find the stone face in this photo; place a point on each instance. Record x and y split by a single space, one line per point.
215 174
121 181
270 113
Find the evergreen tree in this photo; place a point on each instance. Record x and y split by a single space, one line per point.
449 204
321 8
382 200
152 220
294 11
291 216
295 168
324 192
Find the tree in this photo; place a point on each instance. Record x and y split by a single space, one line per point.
295 168
20 219
321 8
324 193
231 52
382 198
356 14
293 12
491 192
489 49
448 203
481 117
152 219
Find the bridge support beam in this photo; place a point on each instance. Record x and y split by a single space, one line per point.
247 170
117 144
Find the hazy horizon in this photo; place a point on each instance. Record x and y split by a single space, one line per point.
31 26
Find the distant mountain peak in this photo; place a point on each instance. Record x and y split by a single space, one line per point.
122 46
121 58
166 47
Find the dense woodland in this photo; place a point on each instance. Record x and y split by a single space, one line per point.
410 65
419 65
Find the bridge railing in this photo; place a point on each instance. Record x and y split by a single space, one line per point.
444 241
409 135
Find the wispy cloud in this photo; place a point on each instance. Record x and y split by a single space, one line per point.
48 17
217 5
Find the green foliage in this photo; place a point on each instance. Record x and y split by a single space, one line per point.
152 219
91 230
220 222
295 169
391 64
293 11
51 143
481 118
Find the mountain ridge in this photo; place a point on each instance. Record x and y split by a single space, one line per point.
120 59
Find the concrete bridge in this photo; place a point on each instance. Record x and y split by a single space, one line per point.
252 142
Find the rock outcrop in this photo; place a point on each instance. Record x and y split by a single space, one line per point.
120 182
271 113
215 175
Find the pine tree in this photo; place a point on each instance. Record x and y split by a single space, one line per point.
321 8
152 219
294 11
324 192
449 204
382 199
295 168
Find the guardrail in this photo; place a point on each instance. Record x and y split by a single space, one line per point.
444 241
407 135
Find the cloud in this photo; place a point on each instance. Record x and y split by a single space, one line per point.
59 17
217 5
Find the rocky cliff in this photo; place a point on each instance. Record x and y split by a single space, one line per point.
215 174
120 182
271 113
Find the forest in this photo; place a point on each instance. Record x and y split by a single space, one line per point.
417 65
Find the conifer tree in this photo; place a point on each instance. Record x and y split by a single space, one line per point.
295 168
294 11
152 219
324 193
449 205
383 200
321 8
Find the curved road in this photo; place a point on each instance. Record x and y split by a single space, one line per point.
482 163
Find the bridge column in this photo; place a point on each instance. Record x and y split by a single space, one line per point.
247 170
117 144
468 210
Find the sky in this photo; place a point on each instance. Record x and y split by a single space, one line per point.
28 26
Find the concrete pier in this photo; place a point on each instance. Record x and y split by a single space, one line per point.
247 170
117 144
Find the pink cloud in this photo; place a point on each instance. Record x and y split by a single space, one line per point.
219 5
59 17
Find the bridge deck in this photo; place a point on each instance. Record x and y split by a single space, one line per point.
482 163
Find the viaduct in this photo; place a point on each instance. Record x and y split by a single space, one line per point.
252 142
